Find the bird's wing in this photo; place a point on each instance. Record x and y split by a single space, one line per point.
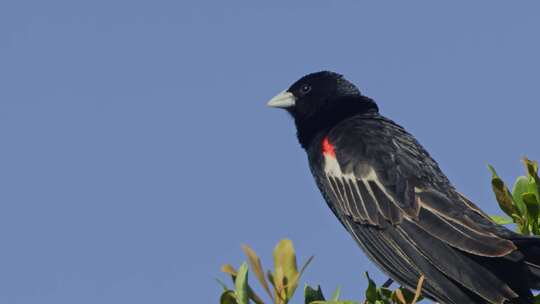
376 175
380 173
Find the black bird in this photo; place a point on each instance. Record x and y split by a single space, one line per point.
398 205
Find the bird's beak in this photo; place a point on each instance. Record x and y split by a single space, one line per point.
282 100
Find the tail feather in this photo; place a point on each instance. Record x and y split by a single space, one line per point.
529 247
534 275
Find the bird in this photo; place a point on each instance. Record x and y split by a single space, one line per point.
398 205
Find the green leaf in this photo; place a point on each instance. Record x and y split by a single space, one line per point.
533 210
241 284
501 220
532 171
525 229
256 267
335 296
531 202
229 269
520 186
532 168
532 174
371 291
228 297
518 220
312 295
502 194
407 294
384 293
294 281
285 269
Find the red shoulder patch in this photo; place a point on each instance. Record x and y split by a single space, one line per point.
328 148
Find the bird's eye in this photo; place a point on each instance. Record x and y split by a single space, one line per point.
306 88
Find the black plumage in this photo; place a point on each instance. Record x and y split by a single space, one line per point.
394 200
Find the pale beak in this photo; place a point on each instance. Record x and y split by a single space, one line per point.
282 100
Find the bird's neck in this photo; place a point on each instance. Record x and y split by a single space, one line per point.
325 119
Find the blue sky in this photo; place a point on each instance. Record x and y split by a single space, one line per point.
137 153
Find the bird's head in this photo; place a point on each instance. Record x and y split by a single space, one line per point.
320 100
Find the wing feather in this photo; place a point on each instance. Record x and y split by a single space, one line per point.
405 263
462 269
336 193
368 201
389 209
354 209
466 238
358 203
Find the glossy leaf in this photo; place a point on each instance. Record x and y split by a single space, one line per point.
502 194
532 170
280 281
531 202
285 269
531 165
521 186
384 293
311 295
520 222
533 210
371 291
241 284
229 269
525 229
228 297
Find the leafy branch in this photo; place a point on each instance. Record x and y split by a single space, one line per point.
522 205
281 284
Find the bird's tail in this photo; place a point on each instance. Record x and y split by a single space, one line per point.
530 248
520 269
